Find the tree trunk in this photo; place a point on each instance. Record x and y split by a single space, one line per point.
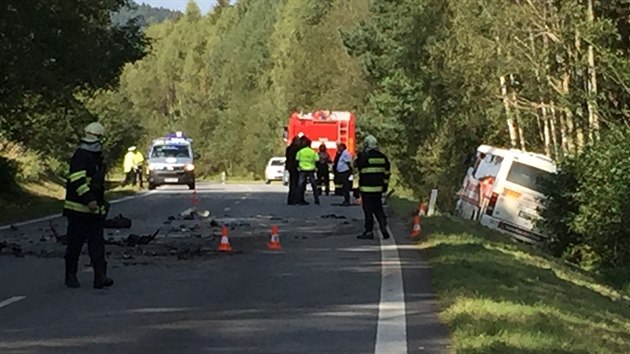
593 112
554 120
546 131
577 123
506 104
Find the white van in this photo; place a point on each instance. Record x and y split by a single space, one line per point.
502 191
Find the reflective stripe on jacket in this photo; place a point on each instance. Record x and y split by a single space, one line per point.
374 172
85 183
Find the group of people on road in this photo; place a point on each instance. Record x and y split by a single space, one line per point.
85 206
305 166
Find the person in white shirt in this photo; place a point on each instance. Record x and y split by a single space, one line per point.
343 167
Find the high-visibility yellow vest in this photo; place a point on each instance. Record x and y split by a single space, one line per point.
138 159
129 161
307 159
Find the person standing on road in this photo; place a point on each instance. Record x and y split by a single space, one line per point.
307 159
323 170
85 208
374 172
128 166
343 167
138 161
291 167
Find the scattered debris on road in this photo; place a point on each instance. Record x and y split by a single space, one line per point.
333 216
192 234
119 222
63 239
133 240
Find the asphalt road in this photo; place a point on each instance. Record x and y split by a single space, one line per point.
325 292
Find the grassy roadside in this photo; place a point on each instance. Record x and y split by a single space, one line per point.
46 198
498 296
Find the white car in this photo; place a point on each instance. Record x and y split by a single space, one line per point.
275 169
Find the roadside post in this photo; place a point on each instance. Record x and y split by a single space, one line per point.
432 201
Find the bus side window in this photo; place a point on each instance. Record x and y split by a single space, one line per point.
478 162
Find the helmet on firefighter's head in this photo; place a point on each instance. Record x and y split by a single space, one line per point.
133 148
94 132
370 142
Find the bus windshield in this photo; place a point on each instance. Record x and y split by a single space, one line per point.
527 176
170 151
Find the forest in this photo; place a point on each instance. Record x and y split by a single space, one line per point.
144 14
431 79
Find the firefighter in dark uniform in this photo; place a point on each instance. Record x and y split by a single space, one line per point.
86 209
374 172
291 166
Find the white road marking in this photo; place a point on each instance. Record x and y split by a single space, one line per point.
227 209
11 300
131 197
55 216
391 331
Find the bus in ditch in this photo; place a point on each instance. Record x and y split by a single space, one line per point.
502 190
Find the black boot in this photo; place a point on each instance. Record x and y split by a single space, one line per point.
366 236
100 276
71 274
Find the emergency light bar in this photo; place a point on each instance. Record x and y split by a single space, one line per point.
174 138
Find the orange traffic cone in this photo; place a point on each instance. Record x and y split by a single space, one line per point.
225 241
194 200
274 242
415 232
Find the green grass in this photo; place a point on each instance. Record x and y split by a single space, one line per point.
498 296
45 198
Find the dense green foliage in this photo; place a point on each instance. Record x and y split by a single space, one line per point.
230 79
588 209
54 54
144 14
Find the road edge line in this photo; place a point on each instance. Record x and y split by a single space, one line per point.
391 330
11 300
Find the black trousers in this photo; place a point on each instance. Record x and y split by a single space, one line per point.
293 197
323 180
373 207
129 178
83 228
137 175
346 185
308 177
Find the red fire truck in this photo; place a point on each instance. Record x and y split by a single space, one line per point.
327 127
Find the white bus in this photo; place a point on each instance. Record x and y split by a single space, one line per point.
502 191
